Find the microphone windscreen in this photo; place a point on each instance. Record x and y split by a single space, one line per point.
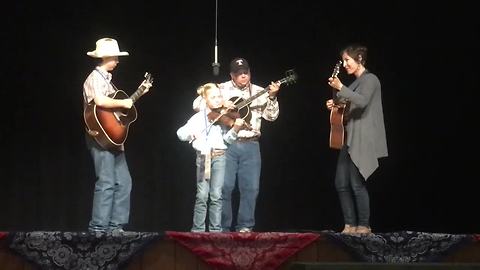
216 69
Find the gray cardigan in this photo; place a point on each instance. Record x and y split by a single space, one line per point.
365 128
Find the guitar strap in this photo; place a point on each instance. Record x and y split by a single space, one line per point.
106 80
114 87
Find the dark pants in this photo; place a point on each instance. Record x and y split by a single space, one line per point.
352 191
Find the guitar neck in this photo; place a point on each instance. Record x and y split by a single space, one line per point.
141 89
335 72
135 96
261 92
250 99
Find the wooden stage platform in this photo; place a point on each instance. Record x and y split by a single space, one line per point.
262 250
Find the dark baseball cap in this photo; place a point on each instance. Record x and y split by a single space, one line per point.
239 64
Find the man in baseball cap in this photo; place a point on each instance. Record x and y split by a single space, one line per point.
243 158
239 65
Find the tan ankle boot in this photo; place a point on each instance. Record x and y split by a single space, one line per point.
363 230
349 229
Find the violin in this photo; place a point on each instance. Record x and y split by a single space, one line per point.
225 116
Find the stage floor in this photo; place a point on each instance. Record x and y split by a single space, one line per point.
257 250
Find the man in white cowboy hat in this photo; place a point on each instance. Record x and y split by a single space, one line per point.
111 200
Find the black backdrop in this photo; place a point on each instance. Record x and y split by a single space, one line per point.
424 56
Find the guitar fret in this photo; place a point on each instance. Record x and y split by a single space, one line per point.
140 90
291 77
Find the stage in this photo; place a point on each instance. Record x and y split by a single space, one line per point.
258 250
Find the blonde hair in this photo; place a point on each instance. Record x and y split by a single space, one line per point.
202 90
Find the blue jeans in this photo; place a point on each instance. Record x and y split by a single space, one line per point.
244 165
352 191
111 199
206 187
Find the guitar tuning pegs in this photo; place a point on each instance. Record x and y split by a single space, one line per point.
291 74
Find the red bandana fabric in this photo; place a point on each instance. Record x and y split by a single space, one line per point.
476 237
262 251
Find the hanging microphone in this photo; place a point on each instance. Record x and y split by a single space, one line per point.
216 68
216 65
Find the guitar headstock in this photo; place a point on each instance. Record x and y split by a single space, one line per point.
148 78
147 83
290 77
336 69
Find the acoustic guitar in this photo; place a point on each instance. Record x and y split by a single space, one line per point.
337 116
109 126
241 105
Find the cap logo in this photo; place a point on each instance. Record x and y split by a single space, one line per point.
239 62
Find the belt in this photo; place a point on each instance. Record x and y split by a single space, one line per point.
248 139
217 152
208 161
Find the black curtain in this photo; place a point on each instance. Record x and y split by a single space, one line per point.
425 60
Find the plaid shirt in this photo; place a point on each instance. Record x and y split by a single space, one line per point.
97 84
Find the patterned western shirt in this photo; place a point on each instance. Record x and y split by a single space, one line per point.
261 107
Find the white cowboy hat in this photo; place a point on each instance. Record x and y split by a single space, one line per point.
106 47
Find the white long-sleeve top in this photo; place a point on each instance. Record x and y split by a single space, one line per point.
208 136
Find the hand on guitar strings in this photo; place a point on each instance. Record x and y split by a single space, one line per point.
335 83
127 103
330 104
